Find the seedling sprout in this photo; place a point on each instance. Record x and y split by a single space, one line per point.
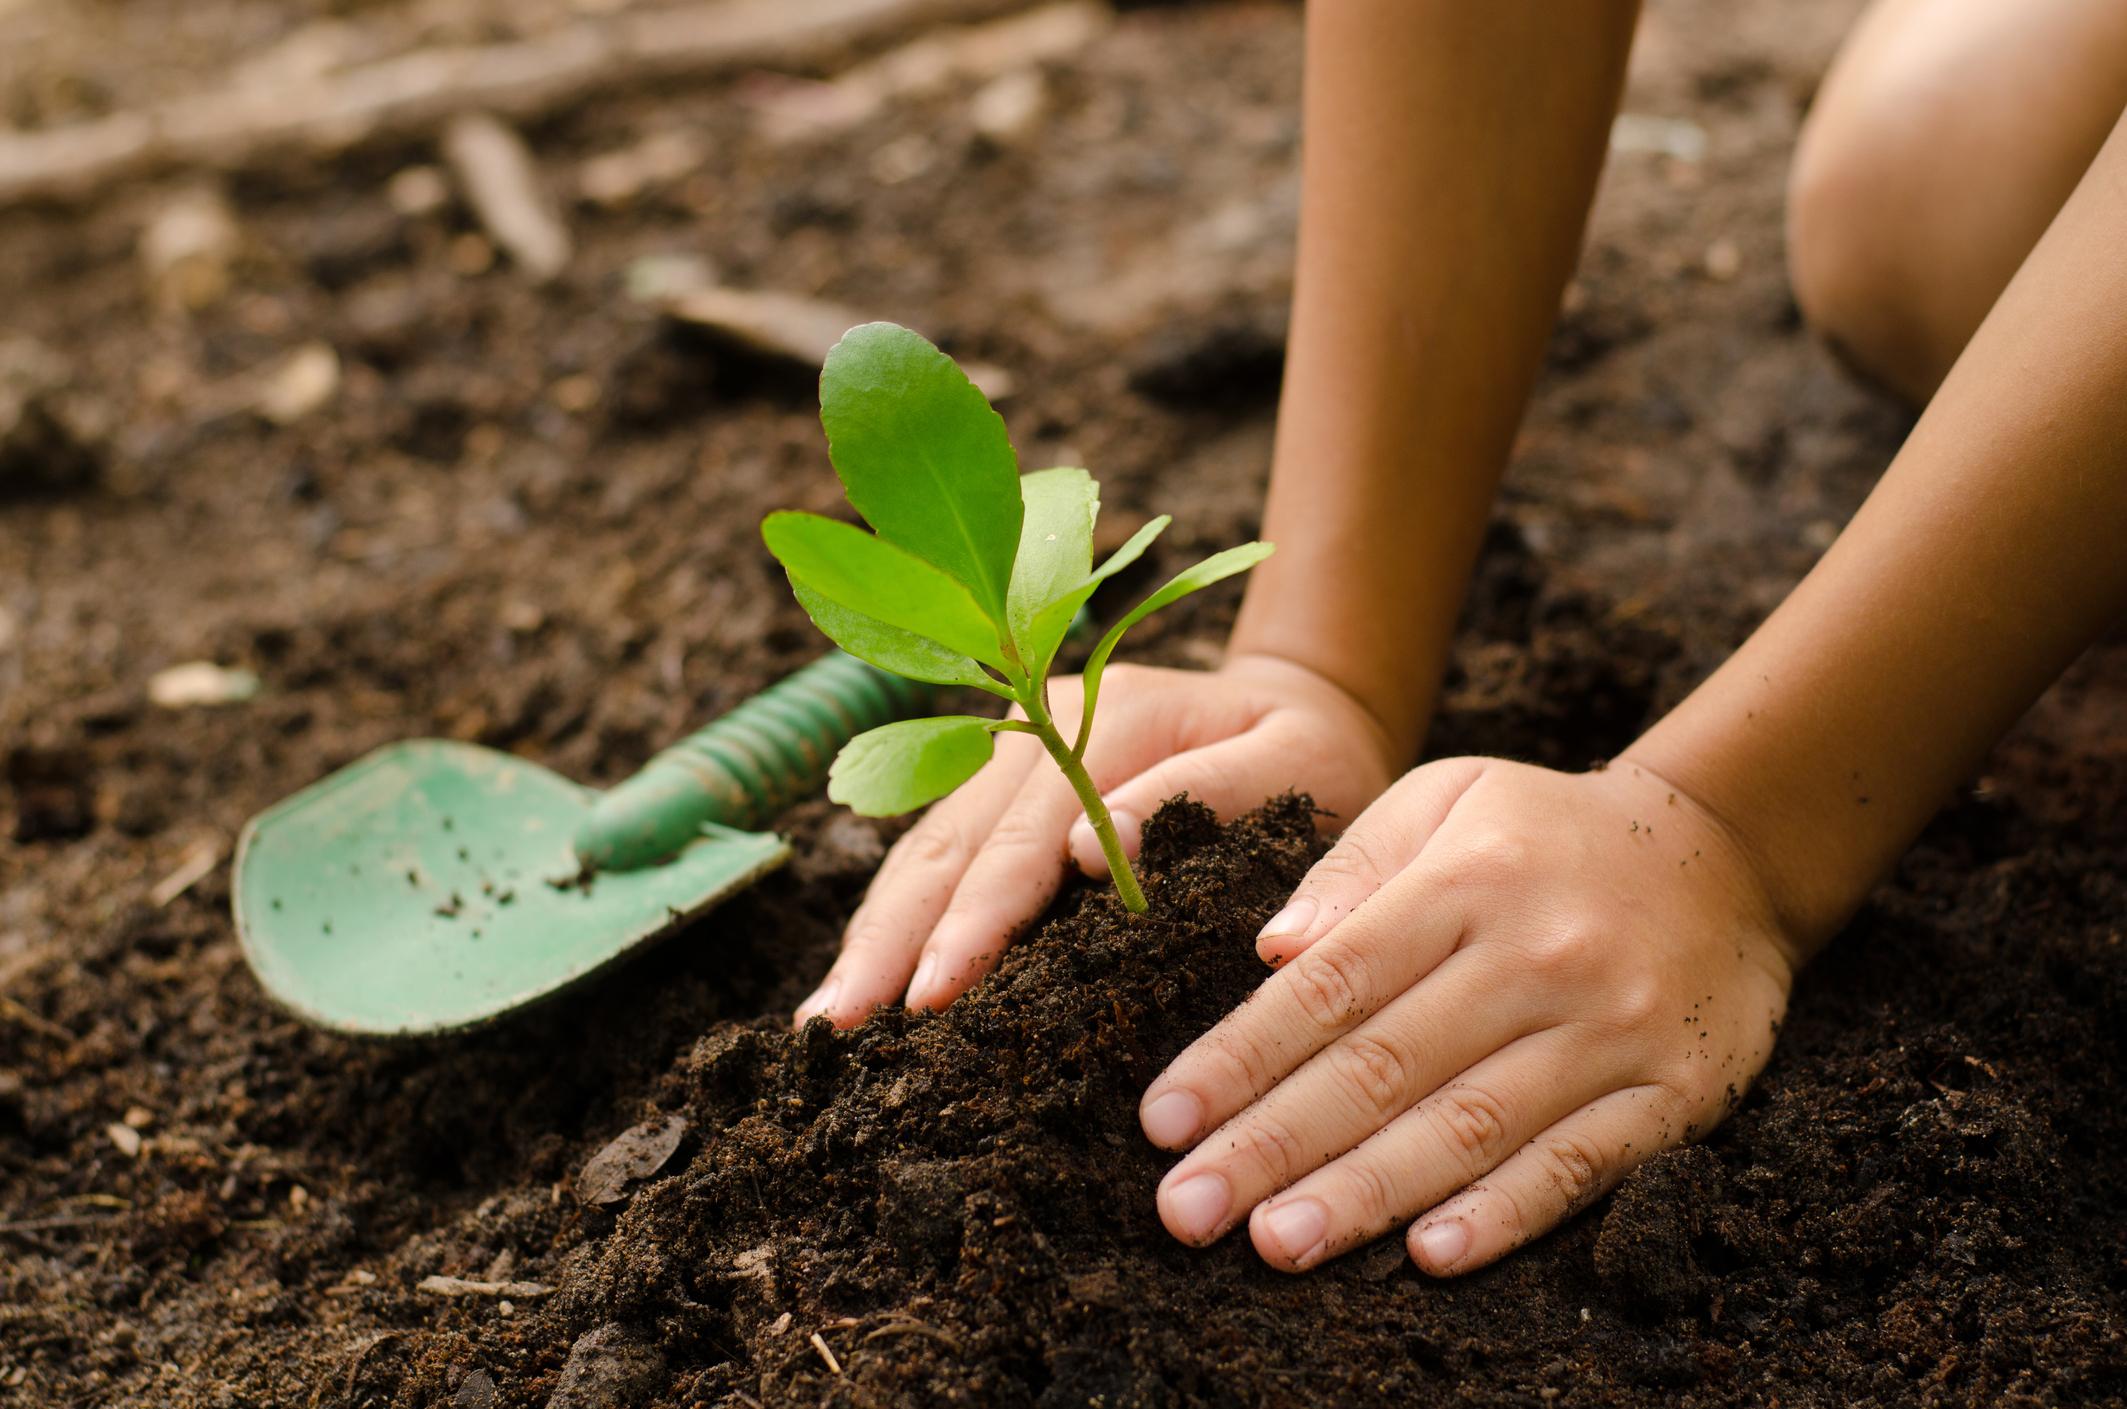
971 576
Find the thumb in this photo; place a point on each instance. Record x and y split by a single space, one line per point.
1380 842
1229 777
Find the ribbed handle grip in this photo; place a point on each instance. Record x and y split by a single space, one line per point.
743 769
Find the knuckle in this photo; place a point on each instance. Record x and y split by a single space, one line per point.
869 935
1370 1191
1358 856
1509 1209
1123 678
931 842
1562 950
1573 1168
1018 830
1373 1069
1635 1003
1326 983
1207 781
1226 1066
1474 1122
1270 1149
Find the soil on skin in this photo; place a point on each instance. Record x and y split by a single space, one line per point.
527 518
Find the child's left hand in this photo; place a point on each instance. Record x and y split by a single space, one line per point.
1503 981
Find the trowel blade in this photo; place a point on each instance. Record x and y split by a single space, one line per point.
431 886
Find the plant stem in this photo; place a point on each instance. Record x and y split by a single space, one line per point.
1074 769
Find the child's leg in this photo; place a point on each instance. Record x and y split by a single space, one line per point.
1941 144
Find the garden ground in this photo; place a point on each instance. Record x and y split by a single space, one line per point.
525 515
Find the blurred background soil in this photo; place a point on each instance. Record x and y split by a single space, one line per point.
305 446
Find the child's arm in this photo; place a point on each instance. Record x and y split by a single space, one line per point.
1517 984
1451 150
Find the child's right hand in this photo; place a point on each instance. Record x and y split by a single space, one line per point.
985 862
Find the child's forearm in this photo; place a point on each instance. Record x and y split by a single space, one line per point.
1451 152
1992 552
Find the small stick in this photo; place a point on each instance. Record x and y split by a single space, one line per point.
199 859
228 126
33 1021
826 1354
65 1220
501 182
463 1286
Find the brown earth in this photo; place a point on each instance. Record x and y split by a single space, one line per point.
527 518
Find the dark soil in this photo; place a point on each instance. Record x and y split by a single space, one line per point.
527 519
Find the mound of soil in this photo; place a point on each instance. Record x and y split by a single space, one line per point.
955 1208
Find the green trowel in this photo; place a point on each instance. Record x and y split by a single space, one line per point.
435 885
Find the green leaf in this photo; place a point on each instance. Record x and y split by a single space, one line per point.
898 768
1216 568
1055 546
1038 646
891 648
923 457
852 569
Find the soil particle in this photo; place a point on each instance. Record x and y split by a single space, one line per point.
610 1367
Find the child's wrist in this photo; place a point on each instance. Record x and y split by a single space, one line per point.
1811 884
1400 714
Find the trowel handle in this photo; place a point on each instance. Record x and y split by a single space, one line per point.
743 769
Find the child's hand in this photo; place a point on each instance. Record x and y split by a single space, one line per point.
1503 981
987 860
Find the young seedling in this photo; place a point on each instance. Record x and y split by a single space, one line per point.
972 576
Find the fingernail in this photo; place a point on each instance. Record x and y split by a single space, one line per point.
1126 825
1292 920
919 987
1171 1119
1297 1229
1441 1245
1197 1205
822 999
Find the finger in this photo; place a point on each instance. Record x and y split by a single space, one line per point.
914 884
1459 1134
1381 841
1400 935
1007 885
1229 777
1547 1181
1352 1088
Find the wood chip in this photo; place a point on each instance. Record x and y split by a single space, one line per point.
910 1326
186 249
200 682
502 185
301 384
194 866
633 1155
227 126
462 1286
618 177
1007 108
35 1022
125 1137
792 328
927 65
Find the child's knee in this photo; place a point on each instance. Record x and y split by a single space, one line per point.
1858 257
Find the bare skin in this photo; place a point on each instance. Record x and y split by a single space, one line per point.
1897 250
1504 986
